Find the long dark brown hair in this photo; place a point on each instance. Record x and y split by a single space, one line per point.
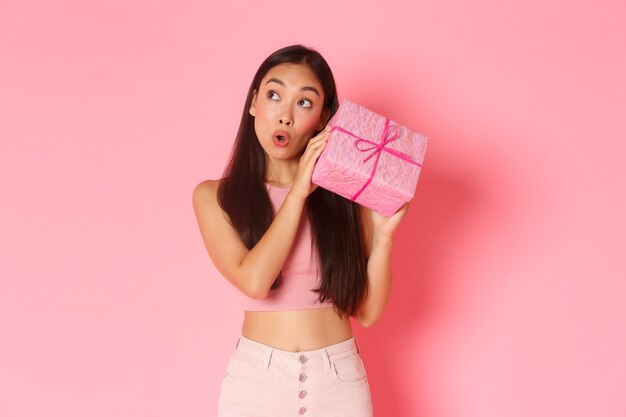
336 230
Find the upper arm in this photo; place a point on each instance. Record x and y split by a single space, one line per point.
225 247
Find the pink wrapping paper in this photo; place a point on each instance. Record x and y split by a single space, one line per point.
346 165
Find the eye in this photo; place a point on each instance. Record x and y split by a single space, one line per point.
305 102
272 95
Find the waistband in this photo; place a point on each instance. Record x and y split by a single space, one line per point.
310 359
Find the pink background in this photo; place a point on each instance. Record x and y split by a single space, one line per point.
509 293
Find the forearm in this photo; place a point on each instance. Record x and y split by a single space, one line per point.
379 283
264 261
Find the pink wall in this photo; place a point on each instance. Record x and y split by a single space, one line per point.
509 269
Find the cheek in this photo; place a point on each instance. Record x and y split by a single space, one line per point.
311 121
264 110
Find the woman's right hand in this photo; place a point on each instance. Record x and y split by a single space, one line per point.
302 185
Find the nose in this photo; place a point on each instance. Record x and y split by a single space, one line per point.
286 118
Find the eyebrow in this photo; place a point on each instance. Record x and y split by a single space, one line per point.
305 88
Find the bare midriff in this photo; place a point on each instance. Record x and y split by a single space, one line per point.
298 330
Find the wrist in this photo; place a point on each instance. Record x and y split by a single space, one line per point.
382 242
296 196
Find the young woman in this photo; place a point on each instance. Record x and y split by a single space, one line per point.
304 259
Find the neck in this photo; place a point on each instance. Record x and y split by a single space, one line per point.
281 173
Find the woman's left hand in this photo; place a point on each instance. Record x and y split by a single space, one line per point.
384 227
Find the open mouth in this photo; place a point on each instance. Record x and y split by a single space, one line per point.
281 138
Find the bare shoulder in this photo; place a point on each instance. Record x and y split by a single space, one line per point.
204 200
205 189
204 195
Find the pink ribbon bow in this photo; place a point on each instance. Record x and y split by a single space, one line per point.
389 134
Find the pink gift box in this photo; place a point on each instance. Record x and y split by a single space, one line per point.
370 159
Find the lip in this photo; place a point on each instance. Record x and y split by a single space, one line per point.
281 133
284 142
